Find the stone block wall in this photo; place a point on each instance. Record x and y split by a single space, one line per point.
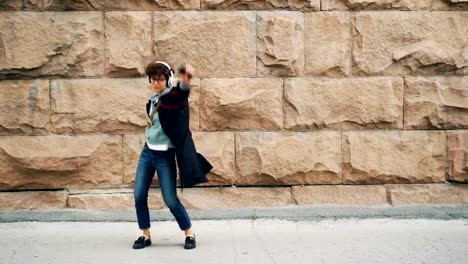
297 102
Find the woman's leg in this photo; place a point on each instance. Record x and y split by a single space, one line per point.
143 179
165 165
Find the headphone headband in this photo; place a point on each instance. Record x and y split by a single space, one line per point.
162 62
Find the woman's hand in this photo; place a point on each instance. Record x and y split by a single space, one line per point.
187 75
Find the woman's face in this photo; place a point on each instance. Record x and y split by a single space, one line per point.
158 83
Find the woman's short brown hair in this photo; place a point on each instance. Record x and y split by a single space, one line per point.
154 69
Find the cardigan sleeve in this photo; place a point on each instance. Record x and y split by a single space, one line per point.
183 87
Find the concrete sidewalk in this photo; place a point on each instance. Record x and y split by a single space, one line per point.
256 241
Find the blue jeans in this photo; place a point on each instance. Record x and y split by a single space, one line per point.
163 162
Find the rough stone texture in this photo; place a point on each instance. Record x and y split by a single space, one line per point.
99 105
210 198
24 107
327 43
393 157
112 199
241 103
375 4
423 43
217 147
340 195
457 155
436 102
121 4
428 194
280 43
288 158
343 103
128 42
449 5
58 161
16 5
225 41
304 5
37 44
33 200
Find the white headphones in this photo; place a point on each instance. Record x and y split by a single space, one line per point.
171 77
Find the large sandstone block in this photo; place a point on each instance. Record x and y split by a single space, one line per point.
99 105
428 194
304 5
457 155
6 5
216 147
219 149
58 161
436 102
215 43
340 195
449 5
67 44
112 199
33 200
241 103
393 157
24 107
87 5
287 158
375 4
407 43
280 43
343 103
128 42
327 43
232 197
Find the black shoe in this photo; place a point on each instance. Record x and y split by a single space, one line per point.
141 242
190 242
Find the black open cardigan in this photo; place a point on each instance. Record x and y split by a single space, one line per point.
174 116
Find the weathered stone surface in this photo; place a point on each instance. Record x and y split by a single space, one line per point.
24 107
457 156
121 5
340 195
406 43
343 103
327 43
112 199
218 148
280 43
393 157
241 103
428 194
224 41
33 200
6 5
51 44
99 105
232 197
436 102
304 5
194 104
128 42
288 158
449 5
375 4
59 161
